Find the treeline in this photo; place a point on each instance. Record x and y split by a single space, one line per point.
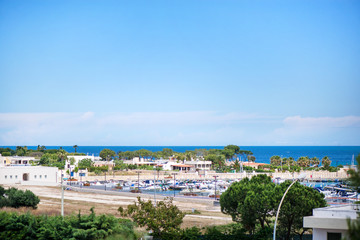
15 198
230 152
37 153
290 164
218 157
27 226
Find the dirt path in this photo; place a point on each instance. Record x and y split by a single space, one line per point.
106 203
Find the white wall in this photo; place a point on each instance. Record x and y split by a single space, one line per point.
321 234
37 175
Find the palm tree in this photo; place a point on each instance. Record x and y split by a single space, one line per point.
315 161
303 162
326 162
236 165
62 155
75 147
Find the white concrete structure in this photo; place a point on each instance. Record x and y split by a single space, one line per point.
78 158
199 165
17 160
331 222
29 175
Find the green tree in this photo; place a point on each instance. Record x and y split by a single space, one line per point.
233 148
163 219
326 162
16 198
298 203
49 159
250 202
72 161
126 155
21 151
189 155
62 154
167 152
354 175
107 154
236 165
251 158
354 179
218 160
314 161
75 147
275 160
41 148
291 161
85 163
247 155
303 162
180 156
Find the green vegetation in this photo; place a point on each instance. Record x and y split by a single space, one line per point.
299 202
354 179
53 160
15 198
26 226
107 154
85 163
253 203
305 163
218 157
75 148
163 220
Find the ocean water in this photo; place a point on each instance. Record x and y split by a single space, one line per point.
337 154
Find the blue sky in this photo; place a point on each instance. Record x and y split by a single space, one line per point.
180 72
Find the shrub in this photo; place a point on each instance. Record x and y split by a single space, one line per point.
6 154
17 198
28 226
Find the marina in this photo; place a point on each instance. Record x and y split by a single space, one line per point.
335 192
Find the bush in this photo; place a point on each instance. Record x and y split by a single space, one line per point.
163 220
28 226
17 198
6 154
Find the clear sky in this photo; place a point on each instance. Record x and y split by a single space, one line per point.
186 72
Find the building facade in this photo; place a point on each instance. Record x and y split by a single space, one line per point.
29 175
330 223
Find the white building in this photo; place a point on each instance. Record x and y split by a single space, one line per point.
331 222
199 165
29 175
17 160
78 158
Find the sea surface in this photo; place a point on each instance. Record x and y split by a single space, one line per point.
337 154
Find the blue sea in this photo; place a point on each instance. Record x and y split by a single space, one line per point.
337 154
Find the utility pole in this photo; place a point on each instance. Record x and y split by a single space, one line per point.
155 187
174 174
105 181
138 172
215 187
62 195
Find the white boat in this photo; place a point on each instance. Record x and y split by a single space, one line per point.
152 187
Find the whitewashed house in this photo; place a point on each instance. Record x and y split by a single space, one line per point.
18 170
331 222
29 175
